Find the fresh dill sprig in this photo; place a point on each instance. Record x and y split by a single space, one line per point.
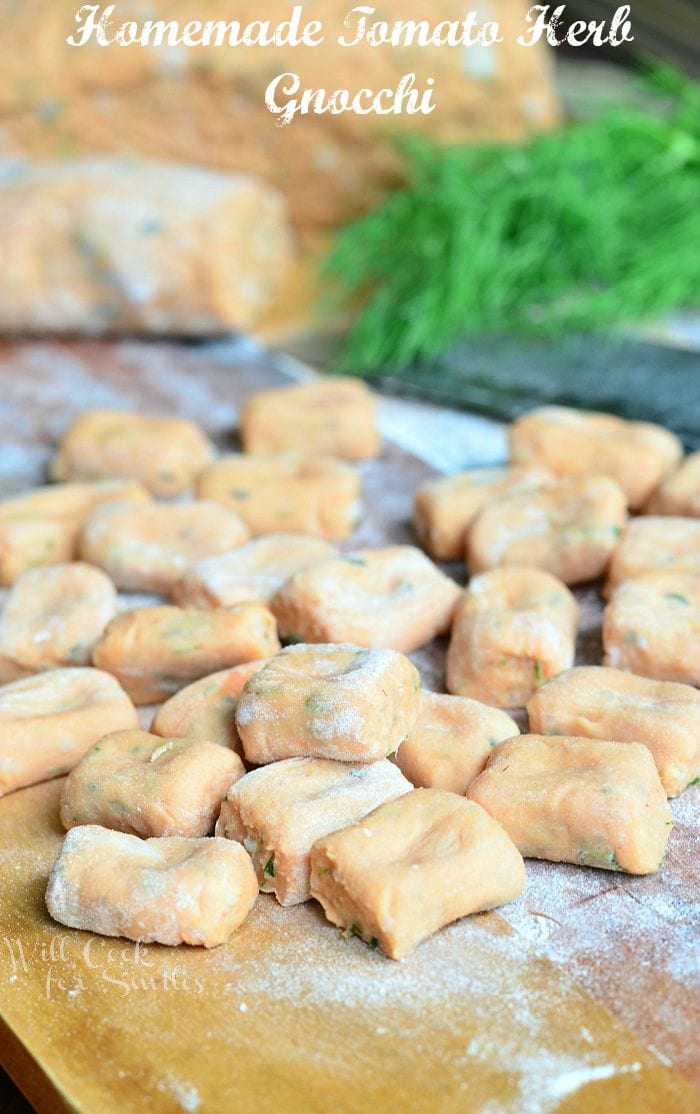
592 225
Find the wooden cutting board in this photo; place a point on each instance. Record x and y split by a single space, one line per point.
582 996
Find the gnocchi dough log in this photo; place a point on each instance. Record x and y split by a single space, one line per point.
155 651
53 617
164 891
412 866
206 709
638 455
118 245
327 415
451 741
279 811
165 454
599 703
575 800
328 701
42 527
391 597
49 721
135 782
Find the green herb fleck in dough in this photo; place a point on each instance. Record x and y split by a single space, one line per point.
539 672
316 704
678 597
350 560
270 867
503 660
239 493
597 853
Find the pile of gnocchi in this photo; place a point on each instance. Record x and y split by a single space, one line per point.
293 749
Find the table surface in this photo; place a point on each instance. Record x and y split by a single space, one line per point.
583 995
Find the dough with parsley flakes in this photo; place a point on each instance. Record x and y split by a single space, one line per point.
651 626
53 617
148 549
296 492
637 455
165 454
158 891
206 709
328 701
656 544
576 800
280 810
251 572
600 703
513 628
155 651
679 494
411 867
135 782
570 528
336 416
42 527
393 597
49 720
445 508
451 740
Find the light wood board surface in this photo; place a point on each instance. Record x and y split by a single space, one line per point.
582 996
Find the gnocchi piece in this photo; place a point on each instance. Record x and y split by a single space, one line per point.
148 549
155 651
41 527
445 508
165 454
637 455
599 703
450 741
279 811
656 545
411 867
49 721
163 891
513 628
54 617
328 701
254 572
135 782
286 491
393 597
206 709
569 528
679 494
335 416
652 627
574 800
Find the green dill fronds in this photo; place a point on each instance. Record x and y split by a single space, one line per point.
593 225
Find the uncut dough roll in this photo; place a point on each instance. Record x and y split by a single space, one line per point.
108 245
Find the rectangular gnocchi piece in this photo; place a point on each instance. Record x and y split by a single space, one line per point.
656 544
327 415
49 721
279 811
638 455
445 508
599 703
513 628
651 626
679 494
411 867
576 800
155 651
